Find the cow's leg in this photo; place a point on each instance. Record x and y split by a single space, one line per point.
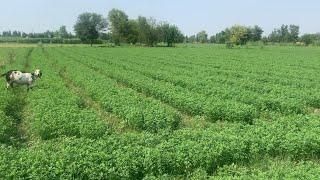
9 84
30 86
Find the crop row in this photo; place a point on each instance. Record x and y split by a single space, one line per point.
266 169
11 104
269 74
192 103
239 67
57 111
277 64
136 110
180 152
264 96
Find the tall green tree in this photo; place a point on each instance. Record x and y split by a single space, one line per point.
202 37
132 32
285 34
119 25
275 36
212 39
62 32
223 36
192 39
255 33
147 31
169 34
88 26
294 33
308 39
238 35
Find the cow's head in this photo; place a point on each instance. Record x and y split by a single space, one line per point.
38 73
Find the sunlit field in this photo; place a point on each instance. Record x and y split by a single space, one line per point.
192 111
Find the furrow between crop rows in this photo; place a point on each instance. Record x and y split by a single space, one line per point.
57 112
187 119
136 111
281 99
14 130
188 102
218 68
85 100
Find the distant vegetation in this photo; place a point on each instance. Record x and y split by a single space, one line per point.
240 35
124 30
88 27
118 28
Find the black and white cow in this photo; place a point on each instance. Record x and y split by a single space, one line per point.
21 78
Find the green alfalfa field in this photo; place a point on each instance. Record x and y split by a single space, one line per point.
193 111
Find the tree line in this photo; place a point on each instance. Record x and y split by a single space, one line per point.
240 35
60 33
118 28
121 29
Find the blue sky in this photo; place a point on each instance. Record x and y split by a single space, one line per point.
191 16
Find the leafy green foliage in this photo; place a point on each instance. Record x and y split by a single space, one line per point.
202 37
138 112
181 152
142 30
169 34
57 111
88 26
285 34
187 113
